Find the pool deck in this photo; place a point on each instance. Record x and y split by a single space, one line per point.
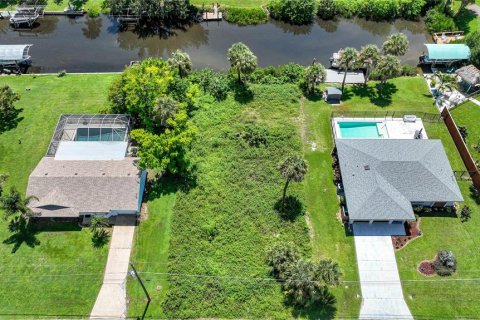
390 128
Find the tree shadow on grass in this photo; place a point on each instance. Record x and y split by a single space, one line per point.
380 95
463 19
22 232
293 208
11 121
242 93
324 309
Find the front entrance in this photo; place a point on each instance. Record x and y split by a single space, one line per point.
439 204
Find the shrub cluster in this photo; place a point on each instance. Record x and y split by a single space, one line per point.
473 42
445 264
214 83
437 21
304 282
371 9
246 16
287 73
406 71
293 11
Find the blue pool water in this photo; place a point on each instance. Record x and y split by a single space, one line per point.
356 129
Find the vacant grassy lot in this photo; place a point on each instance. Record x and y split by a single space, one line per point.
231 191
55 270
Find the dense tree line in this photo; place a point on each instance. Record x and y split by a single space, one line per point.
169 11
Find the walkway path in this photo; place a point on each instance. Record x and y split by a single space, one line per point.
112 299
475 101
379 279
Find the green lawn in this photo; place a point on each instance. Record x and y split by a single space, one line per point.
467 115
221 223
61 273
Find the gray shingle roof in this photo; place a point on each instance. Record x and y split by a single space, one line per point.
382 177
66 188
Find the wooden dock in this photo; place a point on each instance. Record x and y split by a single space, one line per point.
216 15
447 37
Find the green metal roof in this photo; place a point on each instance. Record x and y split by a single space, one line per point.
448 51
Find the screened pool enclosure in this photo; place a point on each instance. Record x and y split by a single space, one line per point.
96 127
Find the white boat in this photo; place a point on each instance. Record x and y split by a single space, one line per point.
14 55
334 60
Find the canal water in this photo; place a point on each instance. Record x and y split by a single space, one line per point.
85 44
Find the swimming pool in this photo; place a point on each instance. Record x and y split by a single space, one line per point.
357 129
100 134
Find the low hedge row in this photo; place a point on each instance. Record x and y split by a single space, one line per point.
246 16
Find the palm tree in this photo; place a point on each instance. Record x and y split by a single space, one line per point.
368 58
13 203
98 225
294 169
302 285
281 258
328 271
388 67
396 44
3 179
313 73
445 80
347 60
182 61
242 60
165 108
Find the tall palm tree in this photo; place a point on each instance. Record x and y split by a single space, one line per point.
388 67
347 60
241 59
368 58
181 60
396 44
13 203
313 73
293 169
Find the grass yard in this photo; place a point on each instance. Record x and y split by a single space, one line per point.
227 201
467 115
30 281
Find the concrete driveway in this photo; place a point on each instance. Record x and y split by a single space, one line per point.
111 301
382 296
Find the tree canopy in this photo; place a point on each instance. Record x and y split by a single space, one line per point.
396 44
181 60
388 67
313 73
241 59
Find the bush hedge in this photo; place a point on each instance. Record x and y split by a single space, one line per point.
371 9
287 73
293 11
246 16
436 21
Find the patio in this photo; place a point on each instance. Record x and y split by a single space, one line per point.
388 127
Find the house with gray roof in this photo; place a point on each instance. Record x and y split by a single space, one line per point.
383 179
89 169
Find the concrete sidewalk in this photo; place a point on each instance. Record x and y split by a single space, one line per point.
111 301
382 295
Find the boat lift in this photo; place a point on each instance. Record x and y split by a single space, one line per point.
26 16
14 57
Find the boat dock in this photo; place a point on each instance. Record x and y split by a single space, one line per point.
447 37
216 15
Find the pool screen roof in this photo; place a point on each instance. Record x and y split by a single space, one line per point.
448 51
15 52
382 177
91 126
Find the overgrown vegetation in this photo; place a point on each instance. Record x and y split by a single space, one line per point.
293 11
371 9
159 101
246 16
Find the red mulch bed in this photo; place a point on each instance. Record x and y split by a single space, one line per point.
413 231
426 268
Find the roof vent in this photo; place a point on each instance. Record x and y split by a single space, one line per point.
46 173
367 167
76 174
